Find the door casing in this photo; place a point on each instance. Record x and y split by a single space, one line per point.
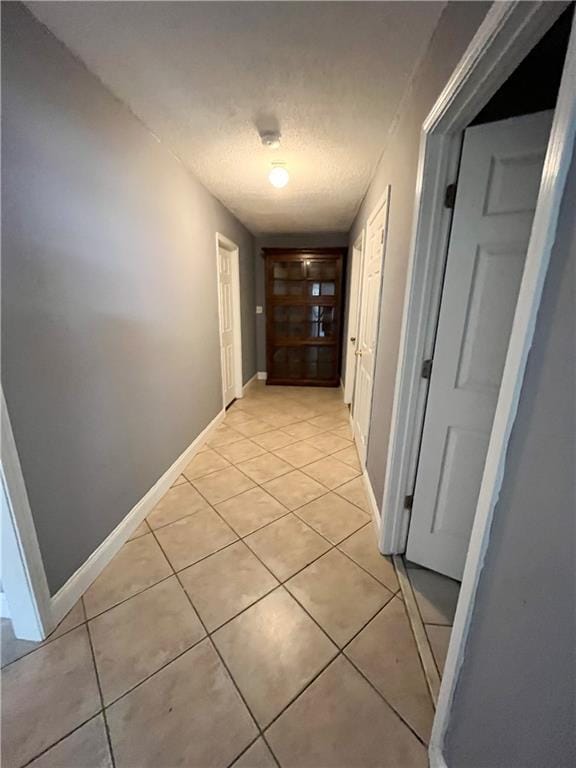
507 34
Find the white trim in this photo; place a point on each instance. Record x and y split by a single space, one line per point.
4 607
24 583
262 375
69 594
556 166
223 242
508 32
250 380
506 35
354 303
374 511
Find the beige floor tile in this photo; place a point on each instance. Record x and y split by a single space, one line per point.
254 427
271 441
385 651
223 435
188 540
208 461
236 416
302 430
276 417
286 546
333 517
354 492
299 454
435 594
343 431
328 443
179 502
86 747
251 510
13 648
439 638
329 421
134 639
45 695
139 564
257 756
226 583
330 472
339 595
179 480
362 547
272 650
264 468
341 722
223 485
241 451
349 456
141 530
188 714
294 489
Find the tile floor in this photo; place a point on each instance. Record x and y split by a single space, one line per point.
250 621
436 596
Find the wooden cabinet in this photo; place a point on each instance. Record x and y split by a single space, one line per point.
304 315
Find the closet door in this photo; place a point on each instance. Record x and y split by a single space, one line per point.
303 305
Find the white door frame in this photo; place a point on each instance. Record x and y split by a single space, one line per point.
507 34
354 303
226 244
25 589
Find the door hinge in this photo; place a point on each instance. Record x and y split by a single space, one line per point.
408 501
382 237
450 196
427 369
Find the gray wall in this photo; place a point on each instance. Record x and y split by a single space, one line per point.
397 167
314 240
515 704
110 346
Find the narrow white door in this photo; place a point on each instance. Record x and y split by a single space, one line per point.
498 186
374 252
354 303
226 305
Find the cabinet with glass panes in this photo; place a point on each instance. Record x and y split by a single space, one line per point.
303 315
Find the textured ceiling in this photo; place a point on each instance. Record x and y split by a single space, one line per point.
206 76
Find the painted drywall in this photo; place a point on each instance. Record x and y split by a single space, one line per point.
314 240
515 703
110 344
398 167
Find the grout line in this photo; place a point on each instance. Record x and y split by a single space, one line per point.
108 737
61 739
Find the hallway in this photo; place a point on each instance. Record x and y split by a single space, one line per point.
170 661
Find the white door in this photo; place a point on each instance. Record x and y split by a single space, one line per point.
226 305
353 318
498 184
374 252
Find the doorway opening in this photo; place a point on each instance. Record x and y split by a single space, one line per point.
354 305
228 269
523 177
368 320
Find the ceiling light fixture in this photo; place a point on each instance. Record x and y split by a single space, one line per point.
270 139
278 176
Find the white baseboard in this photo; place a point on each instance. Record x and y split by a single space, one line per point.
4 608
436 757
262 375
250 380
69 594
371 500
